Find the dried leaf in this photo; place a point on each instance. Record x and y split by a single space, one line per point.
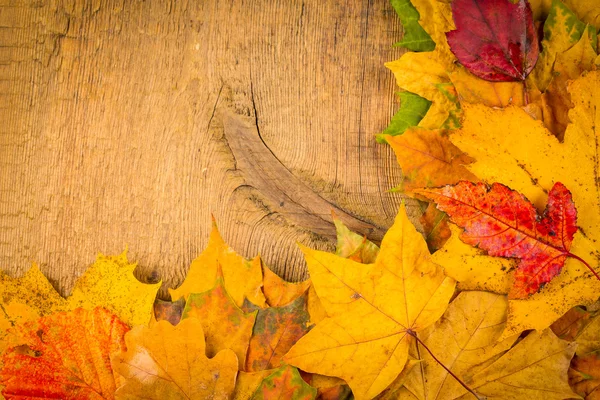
169 311
465 340
501 141
224 324
536 368
435 228
110 283
562 30
353 246
276 330
504 223
472 89
66 356
247 383
471 268
494 39
167 362
376 307
279 292
242 278
429 159
284 383
584 376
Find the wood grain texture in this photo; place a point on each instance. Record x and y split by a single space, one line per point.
128 122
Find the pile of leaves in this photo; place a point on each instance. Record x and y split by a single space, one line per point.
495 296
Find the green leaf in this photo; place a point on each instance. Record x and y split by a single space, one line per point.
285 383
412 110
415 38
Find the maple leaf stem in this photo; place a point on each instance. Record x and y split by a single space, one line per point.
584 263
419 341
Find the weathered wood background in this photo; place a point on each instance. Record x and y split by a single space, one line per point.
129 122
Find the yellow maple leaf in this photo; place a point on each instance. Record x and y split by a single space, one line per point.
519 152
435 17
375 307
242 278
465 340
225 325
169 362
110 283
536 368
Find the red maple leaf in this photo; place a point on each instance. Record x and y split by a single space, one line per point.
504 223
494 39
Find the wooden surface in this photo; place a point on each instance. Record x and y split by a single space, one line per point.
130 122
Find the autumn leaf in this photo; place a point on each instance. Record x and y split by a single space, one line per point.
242 278
279 292
169 310
471 268
413 109
110 283
436 18
504 223
435 228
25 299
587 11
465 340
276 330
429 159
472 89
536 368
247 383
284 383
415 38
424 75
494 39
67 356
167 362
375 308
353 246
224 324
500 140
562 30
584 376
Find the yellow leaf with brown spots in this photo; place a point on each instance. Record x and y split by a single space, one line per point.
110 283
511 148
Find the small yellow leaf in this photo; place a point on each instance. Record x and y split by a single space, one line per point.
242 278
110 283
167 362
